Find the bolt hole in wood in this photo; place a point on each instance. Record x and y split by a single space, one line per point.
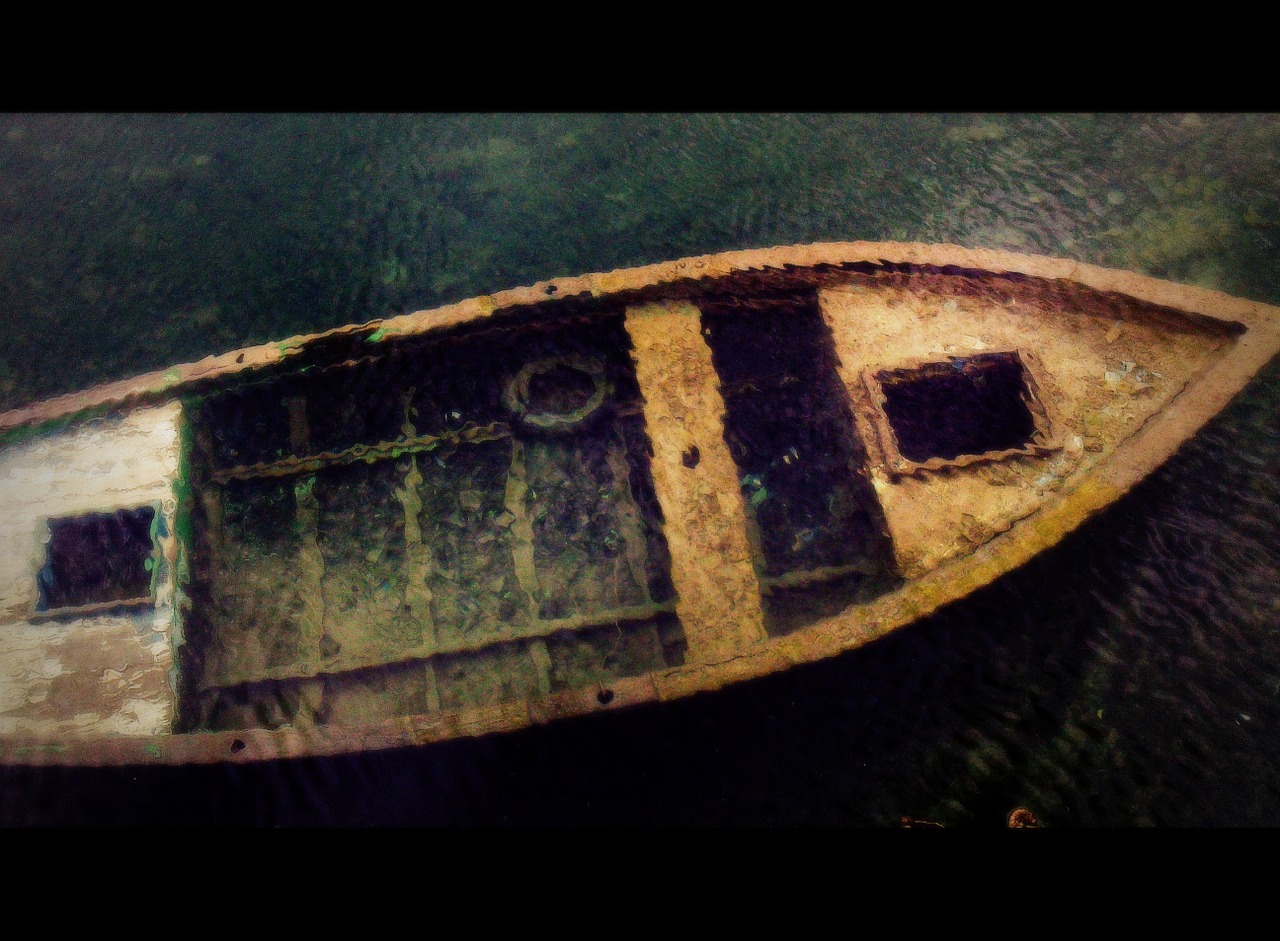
237 746
691 456
605 696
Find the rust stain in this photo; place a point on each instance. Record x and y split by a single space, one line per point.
1131 367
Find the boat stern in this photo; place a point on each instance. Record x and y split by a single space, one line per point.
88 558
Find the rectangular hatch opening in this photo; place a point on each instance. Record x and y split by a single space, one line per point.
959 411
97 561
969 405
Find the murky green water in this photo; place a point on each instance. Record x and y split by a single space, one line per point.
1130 676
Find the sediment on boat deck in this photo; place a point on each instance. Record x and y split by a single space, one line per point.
819 537
977 396
439 526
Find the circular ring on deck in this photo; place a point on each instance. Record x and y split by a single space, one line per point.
531 384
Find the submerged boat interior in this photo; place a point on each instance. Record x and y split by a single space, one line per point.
570 491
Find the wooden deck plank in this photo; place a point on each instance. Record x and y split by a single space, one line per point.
719 606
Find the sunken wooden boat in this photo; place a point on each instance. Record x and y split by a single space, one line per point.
573 497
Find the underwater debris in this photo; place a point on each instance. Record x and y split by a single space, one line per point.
1020 818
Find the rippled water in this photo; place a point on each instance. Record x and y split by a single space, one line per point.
1128 677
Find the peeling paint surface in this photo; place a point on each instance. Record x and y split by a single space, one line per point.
100 674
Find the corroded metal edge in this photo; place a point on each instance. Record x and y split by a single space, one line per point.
1134 459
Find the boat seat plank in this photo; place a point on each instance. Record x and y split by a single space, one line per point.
719 606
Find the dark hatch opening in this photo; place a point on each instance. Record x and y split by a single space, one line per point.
820 539
970 405
96 559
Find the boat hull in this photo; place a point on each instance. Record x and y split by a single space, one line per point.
1110 373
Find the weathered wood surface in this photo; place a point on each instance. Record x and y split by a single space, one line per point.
719 604
726 643
1071 354
103 673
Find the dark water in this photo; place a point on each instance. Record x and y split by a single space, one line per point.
1128 677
